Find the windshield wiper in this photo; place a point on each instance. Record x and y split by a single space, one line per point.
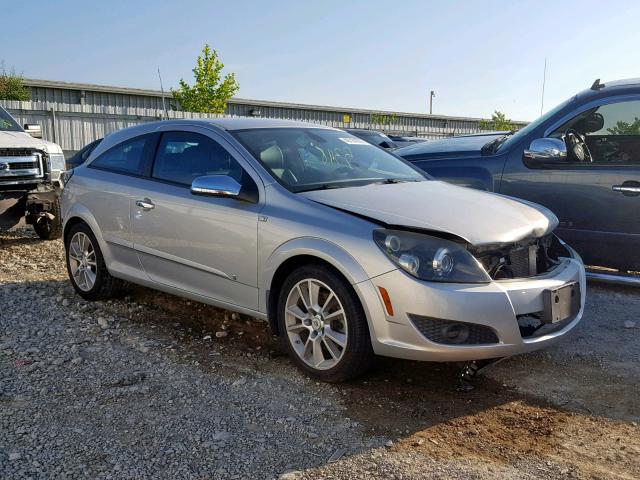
385 181
324 186
493 145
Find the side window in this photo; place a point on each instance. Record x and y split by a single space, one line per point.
611 131
184 156
127 157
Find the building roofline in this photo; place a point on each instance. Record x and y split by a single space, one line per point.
33 82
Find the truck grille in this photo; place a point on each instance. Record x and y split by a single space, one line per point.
23 165
16 152
20 165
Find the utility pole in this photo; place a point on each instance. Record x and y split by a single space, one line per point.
164 106
544 80
431 95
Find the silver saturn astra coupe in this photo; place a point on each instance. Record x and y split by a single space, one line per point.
347 250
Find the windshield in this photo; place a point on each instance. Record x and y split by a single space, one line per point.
511 139
7 123
305 159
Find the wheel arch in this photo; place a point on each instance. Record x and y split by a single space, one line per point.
81 214
305 251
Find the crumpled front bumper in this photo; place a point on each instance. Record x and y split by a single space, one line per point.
496 305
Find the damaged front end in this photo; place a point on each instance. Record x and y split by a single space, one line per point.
523 259
27 191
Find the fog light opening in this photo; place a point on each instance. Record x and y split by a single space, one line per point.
456 333
386 300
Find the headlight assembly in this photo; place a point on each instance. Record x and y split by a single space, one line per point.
57 162
430 258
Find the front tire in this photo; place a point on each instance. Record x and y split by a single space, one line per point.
323 326
86 267
50 229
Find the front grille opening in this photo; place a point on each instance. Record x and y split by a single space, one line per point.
522 260
449 332
532 326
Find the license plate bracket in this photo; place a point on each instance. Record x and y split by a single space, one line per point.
561 303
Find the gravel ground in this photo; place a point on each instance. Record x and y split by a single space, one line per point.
153 386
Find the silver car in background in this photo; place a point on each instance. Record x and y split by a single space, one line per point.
347 250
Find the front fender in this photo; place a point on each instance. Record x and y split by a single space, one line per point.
79 211
330 252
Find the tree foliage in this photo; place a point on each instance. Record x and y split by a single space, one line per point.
210 92
381 119
11 85
626 128
498 122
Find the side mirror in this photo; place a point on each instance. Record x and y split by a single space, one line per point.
545 153
33 129
386 145
221 186
593 123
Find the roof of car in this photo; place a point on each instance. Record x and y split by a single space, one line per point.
362 130
623 82
607 88
241 123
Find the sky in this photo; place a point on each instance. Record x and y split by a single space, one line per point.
477 56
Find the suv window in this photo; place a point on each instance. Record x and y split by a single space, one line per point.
184 156
126 157
611 131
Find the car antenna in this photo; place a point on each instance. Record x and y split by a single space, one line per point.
597 85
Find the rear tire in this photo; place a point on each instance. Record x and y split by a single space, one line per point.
85 265
48 229
323 342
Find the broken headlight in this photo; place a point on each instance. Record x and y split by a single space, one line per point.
57 162
430 258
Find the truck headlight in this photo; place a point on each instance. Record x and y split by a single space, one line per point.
57 162
430 258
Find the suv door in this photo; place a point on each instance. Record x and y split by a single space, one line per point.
598 202
201 244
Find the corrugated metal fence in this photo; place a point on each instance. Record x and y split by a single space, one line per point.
73 126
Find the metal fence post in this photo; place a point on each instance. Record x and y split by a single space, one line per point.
53 125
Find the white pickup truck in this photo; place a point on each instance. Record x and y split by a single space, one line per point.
30 170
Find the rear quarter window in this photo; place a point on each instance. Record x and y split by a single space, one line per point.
128 157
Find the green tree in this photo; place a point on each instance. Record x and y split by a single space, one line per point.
498 122
380 119
210 92
11 85
625 128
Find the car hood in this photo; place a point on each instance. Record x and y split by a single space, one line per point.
458 146
24 140
480 218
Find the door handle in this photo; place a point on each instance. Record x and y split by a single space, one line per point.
630 189
145 204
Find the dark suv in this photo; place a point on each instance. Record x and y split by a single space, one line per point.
581 160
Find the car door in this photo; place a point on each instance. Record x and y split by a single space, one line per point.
597 202
105 188
201 244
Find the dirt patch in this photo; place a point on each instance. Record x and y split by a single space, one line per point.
588 447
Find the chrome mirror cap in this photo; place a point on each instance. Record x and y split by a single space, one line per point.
549 149
216 185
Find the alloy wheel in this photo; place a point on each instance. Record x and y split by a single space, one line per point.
316 324
82 261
